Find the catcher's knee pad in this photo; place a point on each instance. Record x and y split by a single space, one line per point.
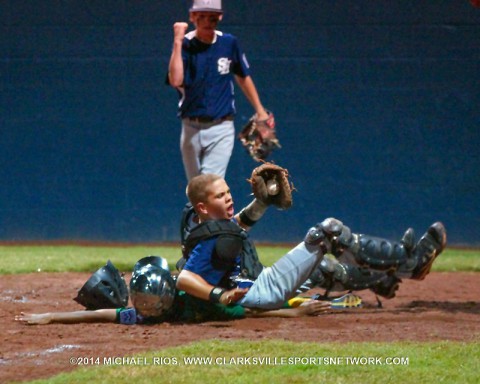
331 227
322 234
327 272
343 241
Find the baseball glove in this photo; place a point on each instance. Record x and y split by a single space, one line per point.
259 138
278 194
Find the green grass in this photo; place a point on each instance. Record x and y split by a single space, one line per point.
456 260
78 258
274 361
81 258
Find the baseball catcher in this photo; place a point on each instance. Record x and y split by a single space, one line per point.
330 256
259 138
270 186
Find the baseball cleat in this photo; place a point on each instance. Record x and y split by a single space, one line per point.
431 244
347 301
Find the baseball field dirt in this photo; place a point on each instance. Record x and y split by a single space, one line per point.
444 306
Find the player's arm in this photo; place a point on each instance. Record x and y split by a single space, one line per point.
248 88
175 66
309 308
196 286
98 316
249 215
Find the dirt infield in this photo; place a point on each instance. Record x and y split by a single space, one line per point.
445 306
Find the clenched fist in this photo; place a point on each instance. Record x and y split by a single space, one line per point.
179 30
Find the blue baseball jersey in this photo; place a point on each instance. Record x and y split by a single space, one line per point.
200 262
209 69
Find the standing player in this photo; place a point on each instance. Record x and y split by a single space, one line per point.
203 65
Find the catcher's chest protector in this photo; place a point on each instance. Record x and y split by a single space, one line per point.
250 264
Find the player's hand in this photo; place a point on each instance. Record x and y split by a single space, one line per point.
33 318
233 295
262 115
179 30
312 308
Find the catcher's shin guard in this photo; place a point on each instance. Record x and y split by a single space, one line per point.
332 275
354 278
382 254
369 251
405 258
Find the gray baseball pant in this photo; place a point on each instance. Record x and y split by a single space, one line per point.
206 148
278 283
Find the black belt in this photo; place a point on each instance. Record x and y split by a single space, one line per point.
210 120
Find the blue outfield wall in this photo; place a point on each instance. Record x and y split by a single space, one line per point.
376 102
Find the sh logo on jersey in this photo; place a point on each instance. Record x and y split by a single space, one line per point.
224 66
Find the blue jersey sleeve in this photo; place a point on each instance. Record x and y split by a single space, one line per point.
240 66
199 262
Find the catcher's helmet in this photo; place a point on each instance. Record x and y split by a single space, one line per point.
106 288
152 287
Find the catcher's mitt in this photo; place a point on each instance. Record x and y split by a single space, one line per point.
259 137
271 186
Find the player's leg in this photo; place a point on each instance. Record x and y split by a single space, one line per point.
333 275
217 143
407 258
280 282
375 263
191 149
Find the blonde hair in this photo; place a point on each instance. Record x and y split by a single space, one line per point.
199 187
